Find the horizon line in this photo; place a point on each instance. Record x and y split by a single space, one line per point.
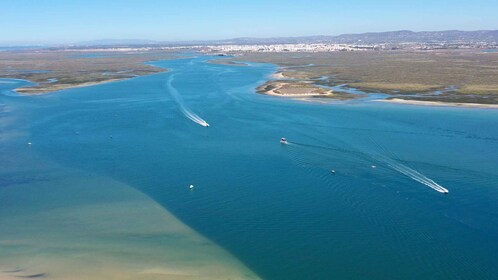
159 41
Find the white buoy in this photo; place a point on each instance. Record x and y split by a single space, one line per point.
333 171
373 166
191 187
29 143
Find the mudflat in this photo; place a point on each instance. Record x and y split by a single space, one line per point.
462 76
54 70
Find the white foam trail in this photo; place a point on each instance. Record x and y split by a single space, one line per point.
176 96
397 166
195 118
415 175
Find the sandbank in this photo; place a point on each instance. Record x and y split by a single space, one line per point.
438 103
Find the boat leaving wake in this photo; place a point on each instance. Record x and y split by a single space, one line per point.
186 112
395 164
195 118
413 174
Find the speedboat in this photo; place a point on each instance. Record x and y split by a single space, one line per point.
284 141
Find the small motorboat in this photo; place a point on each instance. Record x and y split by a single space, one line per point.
333 171
191 187
284 141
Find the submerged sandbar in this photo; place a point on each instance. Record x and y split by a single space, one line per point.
100 229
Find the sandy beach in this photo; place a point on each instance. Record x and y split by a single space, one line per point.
438 103
279 75
47 88
284 89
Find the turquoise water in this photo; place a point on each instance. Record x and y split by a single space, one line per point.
278 208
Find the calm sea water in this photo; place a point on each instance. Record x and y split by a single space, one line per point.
278 208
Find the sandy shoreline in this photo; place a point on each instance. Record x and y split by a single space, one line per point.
438 103
278 89
278 75
58 87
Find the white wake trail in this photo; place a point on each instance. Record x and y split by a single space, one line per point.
415 175
176 96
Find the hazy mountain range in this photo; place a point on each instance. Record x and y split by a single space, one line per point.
395 37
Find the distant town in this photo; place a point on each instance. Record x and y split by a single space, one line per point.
341 47
222 49
380 41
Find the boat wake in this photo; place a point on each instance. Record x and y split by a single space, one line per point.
413 174
178 99
395 163
370 158
193 117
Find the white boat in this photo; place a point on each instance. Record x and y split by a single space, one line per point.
284 141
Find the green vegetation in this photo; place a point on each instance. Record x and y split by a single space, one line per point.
228 62
72 69
471 75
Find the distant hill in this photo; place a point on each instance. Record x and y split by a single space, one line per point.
117 42
403 36
393 37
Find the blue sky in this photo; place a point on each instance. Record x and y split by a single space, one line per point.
64 21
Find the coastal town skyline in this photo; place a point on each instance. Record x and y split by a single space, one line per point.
55 21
